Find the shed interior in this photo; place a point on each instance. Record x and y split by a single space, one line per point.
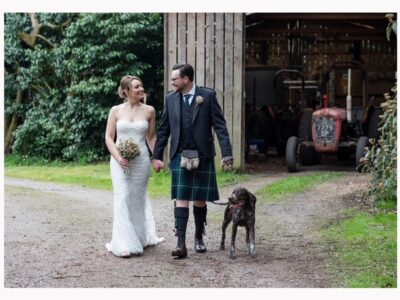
293 60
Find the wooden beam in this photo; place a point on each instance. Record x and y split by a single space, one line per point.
181 37
191 39
228 70
238 87
315 16
200 49
210 40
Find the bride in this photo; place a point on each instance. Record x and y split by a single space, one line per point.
133 221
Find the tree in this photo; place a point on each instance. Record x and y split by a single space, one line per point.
22 38
70 77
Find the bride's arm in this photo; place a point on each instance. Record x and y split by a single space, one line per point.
110 135
151 135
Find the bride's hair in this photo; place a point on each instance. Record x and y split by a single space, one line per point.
126 84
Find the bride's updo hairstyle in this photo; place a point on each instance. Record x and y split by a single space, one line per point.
125 85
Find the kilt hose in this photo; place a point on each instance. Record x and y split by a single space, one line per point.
200 184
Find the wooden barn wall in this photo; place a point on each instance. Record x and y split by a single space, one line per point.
213 43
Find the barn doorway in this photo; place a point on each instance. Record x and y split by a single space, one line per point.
289 60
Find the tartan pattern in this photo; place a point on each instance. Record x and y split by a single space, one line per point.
200 184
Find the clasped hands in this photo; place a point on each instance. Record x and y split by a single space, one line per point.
158 165
227 163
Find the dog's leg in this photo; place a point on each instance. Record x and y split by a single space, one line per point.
247 226
225 224
247 236
233 248
252 245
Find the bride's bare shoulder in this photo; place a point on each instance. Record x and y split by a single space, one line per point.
115 110
149 108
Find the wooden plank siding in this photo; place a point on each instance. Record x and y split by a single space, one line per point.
238 131
228 77
213 43
200 51
219 63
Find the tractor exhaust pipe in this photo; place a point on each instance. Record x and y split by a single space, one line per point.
348 98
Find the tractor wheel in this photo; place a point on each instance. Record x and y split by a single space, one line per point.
360 150
305 126
292 154
373 124
308 155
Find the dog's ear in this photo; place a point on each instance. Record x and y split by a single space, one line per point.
253 200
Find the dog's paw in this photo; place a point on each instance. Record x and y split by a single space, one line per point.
252 251
222 247
233 254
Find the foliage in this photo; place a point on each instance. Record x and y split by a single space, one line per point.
70 78
381 158
364 249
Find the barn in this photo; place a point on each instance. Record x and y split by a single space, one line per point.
276 64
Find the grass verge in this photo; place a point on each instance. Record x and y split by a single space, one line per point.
95 175
294 185
365 249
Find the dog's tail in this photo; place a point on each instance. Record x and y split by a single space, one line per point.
222 203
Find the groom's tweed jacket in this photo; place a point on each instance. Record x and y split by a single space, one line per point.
206 116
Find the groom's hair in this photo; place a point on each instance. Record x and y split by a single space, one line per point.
184 70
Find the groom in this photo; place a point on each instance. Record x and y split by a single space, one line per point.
190 112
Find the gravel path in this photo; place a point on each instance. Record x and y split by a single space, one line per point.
55 236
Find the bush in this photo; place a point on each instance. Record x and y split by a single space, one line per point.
381 158
70 78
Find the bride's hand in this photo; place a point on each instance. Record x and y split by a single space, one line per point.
123 162
158 165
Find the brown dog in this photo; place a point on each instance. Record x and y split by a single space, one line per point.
241 210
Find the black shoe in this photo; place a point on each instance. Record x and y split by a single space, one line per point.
199 246
180 252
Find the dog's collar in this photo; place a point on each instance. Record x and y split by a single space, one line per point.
237 205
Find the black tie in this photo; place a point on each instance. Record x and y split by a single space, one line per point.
186 97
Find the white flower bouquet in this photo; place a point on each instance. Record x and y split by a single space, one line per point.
129 150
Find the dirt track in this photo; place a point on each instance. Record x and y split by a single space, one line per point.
55 236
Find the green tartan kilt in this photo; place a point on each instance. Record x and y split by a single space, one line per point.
200 184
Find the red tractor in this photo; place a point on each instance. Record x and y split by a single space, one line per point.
339 130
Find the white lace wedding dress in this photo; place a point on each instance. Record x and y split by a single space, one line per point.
133 222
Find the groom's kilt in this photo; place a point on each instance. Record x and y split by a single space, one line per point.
200 184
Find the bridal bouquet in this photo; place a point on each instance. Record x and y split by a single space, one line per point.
128 150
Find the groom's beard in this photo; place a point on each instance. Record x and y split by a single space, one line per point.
177 89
